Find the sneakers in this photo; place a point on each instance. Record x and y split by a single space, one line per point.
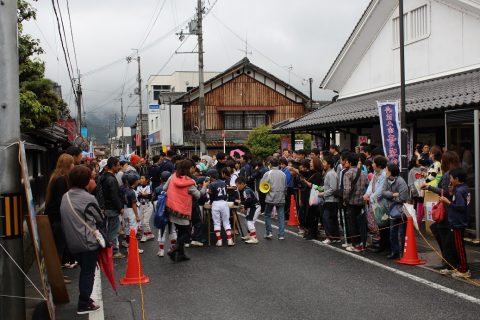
458 274
187 245
196 244
124 244
446 271
252 241
147 237
346 245
230 242
245 238
118 255
268 236
88 309
327 241
219 243
161 253
281 238
357 248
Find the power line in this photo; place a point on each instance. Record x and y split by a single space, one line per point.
63 49
154 22
65 36
73 41
258 51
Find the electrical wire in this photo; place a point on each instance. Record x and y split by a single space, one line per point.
73 41
258 51
63 49
154 23
65 36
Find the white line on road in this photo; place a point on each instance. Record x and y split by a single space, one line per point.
385 267
97 297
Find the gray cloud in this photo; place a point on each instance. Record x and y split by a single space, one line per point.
306 34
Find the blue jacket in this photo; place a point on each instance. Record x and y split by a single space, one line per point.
457 211
289 177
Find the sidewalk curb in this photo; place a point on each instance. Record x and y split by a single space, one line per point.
97 296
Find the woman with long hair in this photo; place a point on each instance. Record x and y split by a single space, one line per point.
181 189
57 187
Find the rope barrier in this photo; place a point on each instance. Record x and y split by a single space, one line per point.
444 260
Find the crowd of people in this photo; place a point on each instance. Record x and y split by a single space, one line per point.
346 194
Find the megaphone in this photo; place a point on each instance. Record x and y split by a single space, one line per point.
264 187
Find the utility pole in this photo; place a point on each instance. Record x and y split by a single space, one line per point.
11 278
170 121
403 111
79 107
139 92
311 100
201 89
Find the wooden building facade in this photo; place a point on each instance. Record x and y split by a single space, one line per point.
237 101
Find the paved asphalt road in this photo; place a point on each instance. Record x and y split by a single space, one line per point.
291 279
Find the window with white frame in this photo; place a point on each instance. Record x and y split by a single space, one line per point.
416 25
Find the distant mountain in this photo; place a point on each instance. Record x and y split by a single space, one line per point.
98 126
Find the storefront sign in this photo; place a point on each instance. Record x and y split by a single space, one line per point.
298 145
390 125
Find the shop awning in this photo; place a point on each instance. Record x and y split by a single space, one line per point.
452 91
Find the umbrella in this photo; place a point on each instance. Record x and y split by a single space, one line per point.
240 152
105 261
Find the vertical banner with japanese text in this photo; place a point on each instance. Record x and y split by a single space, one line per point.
390 125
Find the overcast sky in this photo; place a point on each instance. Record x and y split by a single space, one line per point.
305 34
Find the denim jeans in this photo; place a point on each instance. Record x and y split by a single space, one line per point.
281 218
88 263
397 235
113 226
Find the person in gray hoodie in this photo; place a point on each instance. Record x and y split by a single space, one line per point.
330 207
80 213
275 199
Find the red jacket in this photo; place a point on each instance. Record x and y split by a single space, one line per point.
179 201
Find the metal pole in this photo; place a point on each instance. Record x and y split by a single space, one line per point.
11 279
476 133
170 123
140 125
123 124
79 107
201 89
403 112
311 100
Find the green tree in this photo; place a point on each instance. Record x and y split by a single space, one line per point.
40 105
262 143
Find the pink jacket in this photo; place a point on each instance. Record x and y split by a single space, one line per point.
179 201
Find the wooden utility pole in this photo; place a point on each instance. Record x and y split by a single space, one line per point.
11 221
79 107
201 88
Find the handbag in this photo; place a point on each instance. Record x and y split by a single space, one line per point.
438 211
98 235
313 200
380 212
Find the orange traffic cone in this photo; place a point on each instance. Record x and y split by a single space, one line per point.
134 274
293 219
410 255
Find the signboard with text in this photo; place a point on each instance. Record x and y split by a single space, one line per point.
390 126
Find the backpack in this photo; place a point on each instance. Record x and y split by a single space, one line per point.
99 193
161 219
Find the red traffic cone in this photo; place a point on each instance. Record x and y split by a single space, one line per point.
134 274
293 219
410 255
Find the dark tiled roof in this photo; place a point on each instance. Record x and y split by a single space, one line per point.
461 89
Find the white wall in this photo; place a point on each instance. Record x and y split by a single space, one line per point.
161 122
453 44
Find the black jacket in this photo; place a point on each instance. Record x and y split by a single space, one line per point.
111 192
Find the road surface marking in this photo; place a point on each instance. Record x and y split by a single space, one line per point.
385 267
97 297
